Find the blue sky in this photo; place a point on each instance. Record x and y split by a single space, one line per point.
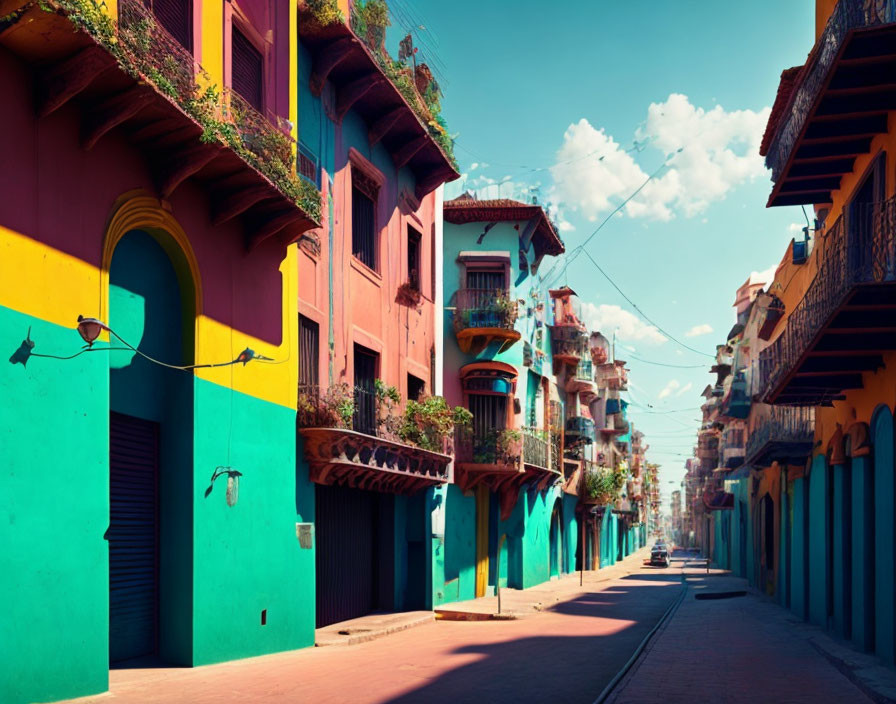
518 75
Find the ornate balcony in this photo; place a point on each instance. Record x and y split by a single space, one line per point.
368 81
612 375
358 457
582 379
844 323
537 458
484 316
579 431
133 77
783 435
492 459
569 344
827 115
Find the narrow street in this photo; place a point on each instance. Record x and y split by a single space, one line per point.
569 652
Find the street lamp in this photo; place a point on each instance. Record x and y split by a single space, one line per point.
90 328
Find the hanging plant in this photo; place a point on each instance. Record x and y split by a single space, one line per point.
409 295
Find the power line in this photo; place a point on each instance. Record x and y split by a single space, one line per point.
664 364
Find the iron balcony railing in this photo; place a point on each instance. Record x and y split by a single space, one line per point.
492 447
535 447
782 424
338 406
855 255
569 341
484 308
149 50
847 16
556 450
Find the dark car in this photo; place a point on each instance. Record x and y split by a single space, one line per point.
659 556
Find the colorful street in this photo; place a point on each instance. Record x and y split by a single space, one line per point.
413 351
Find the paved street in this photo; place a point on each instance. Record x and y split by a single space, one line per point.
736 649
567 653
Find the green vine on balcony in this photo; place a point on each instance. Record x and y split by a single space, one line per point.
137 52
325 12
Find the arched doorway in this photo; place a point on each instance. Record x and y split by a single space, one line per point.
151 304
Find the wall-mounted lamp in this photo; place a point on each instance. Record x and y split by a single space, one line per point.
90 328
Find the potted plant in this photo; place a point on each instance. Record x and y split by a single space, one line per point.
430 422
332 409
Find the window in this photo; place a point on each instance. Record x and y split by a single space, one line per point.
309 336
246 70
176 16
364 420
489 415
491 279
363 227
308 166
416 387
415 240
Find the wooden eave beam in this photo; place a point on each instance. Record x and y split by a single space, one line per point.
63 81
432 181
112 112
406 152
274 224
228 204
325 61
184 163
383 124
352 92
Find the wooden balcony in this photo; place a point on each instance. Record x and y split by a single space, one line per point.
784 435
836 104
483 317
538 462
582 379
844 324
356 70
132 77
493 460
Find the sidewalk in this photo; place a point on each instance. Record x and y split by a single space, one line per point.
732 649
520 603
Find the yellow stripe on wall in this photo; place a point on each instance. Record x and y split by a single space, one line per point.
48 284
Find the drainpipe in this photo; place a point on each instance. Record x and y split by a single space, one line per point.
439 223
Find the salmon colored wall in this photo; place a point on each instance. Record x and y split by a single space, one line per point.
823 10
364 306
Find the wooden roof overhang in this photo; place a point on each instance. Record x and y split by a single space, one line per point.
839 102
343 457
466 209
340 57
71 66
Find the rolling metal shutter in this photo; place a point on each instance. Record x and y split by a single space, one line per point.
246 70
345 529
133 537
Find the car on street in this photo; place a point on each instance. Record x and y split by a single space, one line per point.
659 555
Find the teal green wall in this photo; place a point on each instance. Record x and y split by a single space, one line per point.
819 548
54 510
842 553
884 538
784 561
862 590
799 555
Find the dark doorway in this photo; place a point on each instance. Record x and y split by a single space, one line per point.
354 560
133 538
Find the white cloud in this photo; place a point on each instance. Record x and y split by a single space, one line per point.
684 389
795 228
668 389
609 319
697 330
593 172
765 277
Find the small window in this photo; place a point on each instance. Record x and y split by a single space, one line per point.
247 70
309 336
415 240
309 169
364 420
416 388
176 16
363 227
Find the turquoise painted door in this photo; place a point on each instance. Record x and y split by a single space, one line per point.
133 537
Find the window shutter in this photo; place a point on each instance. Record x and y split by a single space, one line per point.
176 16
246 70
